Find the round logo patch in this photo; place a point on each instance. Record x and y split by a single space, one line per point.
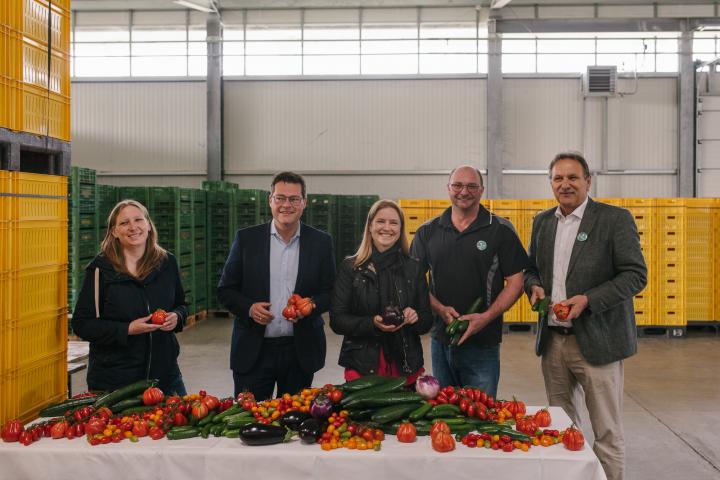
582 236
481 245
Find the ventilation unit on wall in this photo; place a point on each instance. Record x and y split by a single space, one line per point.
600 81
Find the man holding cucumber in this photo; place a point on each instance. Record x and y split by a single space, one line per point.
476 264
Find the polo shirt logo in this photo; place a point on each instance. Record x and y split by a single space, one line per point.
481 245
582 236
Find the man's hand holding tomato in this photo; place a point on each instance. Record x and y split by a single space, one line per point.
576 304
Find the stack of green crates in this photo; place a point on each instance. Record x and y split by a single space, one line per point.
219 233
320 212
106 199
346 235
171 211
82 228
140 194
247 208
199 229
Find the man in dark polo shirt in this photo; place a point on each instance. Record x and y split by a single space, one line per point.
470 253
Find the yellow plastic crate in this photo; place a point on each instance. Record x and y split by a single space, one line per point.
413 203
35 68
414 217
38 184
33 291
35 244
44 113
28 339
639 203
30 18
25 391
438 207
644 305
618 202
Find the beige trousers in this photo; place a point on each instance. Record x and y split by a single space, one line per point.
565 370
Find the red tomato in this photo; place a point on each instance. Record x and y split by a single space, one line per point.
58 430
211 402
11 431
180 419
439 427
289 312
153 396
542 418
158 316
335 396
305 306
561 311
156 433
140 429
294 299
199 410
26 437
573 439
443 442
406 433
515 407
94 426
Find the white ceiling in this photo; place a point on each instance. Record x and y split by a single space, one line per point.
168 4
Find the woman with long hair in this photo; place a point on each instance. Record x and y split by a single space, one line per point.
124 284
380 302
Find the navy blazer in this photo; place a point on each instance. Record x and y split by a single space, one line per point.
246 280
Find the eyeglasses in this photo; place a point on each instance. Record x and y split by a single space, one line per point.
281 199
458 187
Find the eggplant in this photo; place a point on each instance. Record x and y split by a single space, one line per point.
311 430
292 419
392 316
254 434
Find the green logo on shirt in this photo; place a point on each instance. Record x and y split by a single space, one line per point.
481 245
582 236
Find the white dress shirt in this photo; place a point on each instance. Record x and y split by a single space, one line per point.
565 238
284 259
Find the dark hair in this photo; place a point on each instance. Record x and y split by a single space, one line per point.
461 166
288 177
571 156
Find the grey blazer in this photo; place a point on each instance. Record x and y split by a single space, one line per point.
608 267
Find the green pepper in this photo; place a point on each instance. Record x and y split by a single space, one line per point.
542 306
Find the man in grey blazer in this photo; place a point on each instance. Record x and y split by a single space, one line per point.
586 255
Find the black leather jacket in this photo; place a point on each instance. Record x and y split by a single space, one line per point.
356 300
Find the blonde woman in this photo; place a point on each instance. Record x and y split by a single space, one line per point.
135 277
380 302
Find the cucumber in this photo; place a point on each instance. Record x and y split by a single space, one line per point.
393 412
235 416
123 393
217 429
391 384
362 383
183 434
140 409
462 429
444 410
59 409
127 403
389 398
476 305
452 421
230 411
420 412
208 419
239 422
205 432
462 326
452 326
231 433
456 339
361 413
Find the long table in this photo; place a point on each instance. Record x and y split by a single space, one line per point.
218 458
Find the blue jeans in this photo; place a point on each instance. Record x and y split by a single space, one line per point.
467 365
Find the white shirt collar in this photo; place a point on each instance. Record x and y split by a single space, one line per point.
578 212
274 232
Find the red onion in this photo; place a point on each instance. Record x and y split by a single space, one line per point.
427 386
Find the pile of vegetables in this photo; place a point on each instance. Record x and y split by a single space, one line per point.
355 415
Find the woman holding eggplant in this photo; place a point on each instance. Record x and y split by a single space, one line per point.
380 302
130 305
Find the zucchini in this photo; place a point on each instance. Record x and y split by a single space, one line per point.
462 326
391 384
59 409
456 339
122 393
476 305
452 421
444 410
239 422
452 326
236 416
390 398
393 412
217 429
462 429
183 434
231 433
420 412
127 403
205 432
362 383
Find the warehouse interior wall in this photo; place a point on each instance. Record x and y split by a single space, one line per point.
393 137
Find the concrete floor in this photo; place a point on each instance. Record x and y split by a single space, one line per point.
672 392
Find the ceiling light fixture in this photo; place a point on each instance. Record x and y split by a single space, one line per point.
195 6
497 4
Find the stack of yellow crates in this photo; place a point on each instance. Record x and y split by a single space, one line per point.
35 67
644 211
417 212
716 259
33 293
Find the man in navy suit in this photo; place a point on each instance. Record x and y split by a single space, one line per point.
267 264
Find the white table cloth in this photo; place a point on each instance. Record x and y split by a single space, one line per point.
220 458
